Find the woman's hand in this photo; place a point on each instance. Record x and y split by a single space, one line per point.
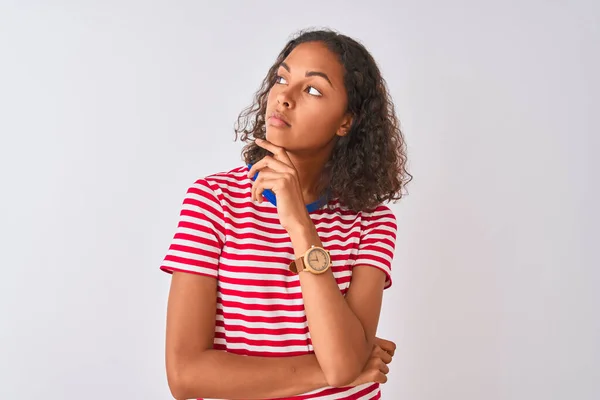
278 174
376 368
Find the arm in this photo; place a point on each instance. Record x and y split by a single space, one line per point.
342 329
195 370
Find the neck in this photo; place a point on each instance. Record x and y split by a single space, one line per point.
310 171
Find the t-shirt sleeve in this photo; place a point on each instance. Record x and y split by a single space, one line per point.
200 234
378 241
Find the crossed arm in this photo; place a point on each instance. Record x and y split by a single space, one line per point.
347 326
342 329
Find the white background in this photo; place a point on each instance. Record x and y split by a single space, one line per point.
109 110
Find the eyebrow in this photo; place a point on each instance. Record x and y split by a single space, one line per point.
309 73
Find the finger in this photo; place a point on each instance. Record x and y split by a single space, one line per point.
256 194
260 186
381 354
257 190
384 368
271 163
262 171
386 345
379 377
270 174
385 357
253 195
278 152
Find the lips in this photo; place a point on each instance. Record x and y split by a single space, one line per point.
276 116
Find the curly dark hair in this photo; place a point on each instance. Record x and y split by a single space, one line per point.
368 165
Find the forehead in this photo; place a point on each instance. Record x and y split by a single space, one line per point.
315 56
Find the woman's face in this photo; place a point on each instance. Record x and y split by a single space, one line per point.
310 96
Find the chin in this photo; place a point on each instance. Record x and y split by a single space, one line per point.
276 136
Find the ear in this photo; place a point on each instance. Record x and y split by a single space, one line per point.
345 125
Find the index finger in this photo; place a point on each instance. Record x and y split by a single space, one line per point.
278 152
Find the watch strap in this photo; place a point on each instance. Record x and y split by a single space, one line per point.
297 265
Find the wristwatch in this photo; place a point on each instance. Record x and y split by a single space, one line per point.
316 260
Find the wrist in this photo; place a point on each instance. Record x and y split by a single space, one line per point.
300 228
303 236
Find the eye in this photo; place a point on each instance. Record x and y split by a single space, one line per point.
310 89
315 91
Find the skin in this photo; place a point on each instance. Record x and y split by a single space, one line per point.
342 329
310 93
315 108
347 353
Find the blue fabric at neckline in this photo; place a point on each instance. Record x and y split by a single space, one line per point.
315 205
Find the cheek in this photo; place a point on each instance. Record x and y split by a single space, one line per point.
321 118
271 97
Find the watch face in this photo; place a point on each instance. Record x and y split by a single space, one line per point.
318 259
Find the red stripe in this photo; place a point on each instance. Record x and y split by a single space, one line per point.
262 331
372 258
255 270
260 295
218 346
197 227
257 236
237 225
270 343
387 241
360 394
170 270
207 194
261 307
272 283
273 271
245 352
377 396
334 220
375 248
248 214
208 240
224 183
289 249
203 228
286 239
191 262
200 251
260 319
317 395
236 195
255 257
337 220
261 228
259 282
344 231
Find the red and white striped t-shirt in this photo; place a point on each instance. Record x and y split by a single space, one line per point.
260 310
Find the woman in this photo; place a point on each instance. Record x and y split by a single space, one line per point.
282 262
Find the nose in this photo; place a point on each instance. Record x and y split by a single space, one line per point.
285 99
